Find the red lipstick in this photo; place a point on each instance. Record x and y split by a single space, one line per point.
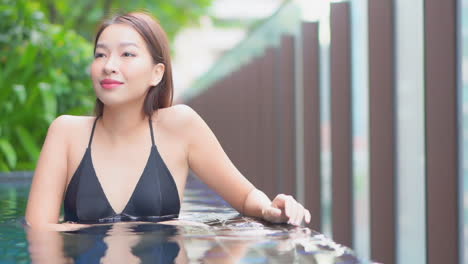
109 84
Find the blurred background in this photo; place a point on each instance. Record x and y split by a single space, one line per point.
358 108
46 50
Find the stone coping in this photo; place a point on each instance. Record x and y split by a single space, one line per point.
16 175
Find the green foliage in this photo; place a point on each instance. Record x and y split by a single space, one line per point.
45 55
85 15
43 74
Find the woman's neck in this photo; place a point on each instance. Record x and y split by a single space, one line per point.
123 122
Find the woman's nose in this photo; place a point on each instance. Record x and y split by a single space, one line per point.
111 65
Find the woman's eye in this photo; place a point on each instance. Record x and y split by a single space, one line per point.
98 55
128 54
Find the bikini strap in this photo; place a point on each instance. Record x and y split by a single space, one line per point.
92 132
151 128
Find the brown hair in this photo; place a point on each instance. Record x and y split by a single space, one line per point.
161 95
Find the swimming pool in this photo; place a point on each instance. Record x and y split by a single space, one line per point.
218 235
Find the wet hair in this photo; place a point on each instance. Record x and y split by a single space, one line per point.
161 95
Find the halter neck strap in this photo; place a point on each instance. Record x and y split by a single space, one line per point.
92 132
151 129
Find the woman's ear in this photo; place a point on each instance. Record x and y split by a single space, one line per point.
158 73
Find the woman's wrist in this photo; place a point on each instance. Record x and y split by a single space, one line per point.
255 203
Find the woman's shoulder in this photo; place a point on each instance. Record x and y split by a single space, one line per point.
70 122
68 125
176 116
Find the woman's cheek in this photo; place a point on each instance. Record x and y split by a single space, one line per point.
95 71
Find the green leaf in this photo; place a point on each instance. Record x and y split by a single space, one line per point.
29 166
4 167
78 110
49 101
27 141
9 153
29 55
20 92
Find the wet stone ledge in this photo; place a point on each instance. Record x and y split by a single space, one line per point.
16 176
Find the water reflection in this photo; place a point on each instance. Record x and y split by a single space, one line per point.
237 240
116 243
208 231
131 243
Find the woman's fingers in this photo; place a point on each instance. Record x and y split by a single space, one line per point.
280 202
293 212
307 216
276 214
300 214
273 215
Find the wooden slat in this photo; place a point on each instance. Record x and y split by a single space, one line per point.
341 133
258 94
442 160
270 119
247 121
382 131
311 82
286 115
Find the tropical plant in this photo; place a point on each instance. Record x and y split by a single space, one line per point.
43 73
84 15
45 53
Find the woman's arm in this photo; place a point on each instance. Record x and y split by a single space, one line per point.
209 162
45 246
49 180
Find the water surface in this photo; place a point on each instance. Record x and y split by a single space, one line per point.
210 231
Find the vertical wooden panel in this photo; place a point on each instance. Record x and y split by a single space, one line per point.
233 113
257 103
237 98
311 82
245 123
253 132
260 144
382 130
278 117
242 128
341 133
251 143
286 115
270 119
442 160
224 114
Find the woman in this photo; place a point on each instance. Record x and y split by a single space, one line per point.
104 169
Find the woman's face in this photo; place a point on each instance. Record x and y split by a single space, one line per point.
123 69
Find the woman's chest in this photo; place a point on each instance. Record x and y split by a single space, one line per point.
119 168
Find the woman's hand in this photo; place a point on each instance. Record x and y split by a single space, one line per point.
285 209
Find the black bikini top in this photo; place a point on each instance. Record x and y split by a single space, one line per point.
154 199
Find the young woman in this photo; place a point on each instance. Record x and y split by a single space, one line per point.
130 162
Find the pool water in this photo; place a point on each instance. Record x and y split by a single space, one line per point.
212 232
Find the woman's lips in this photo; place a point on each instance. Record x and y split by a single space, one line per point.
110 86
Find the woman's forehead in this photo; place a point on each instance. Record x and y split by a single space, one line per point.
120 35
